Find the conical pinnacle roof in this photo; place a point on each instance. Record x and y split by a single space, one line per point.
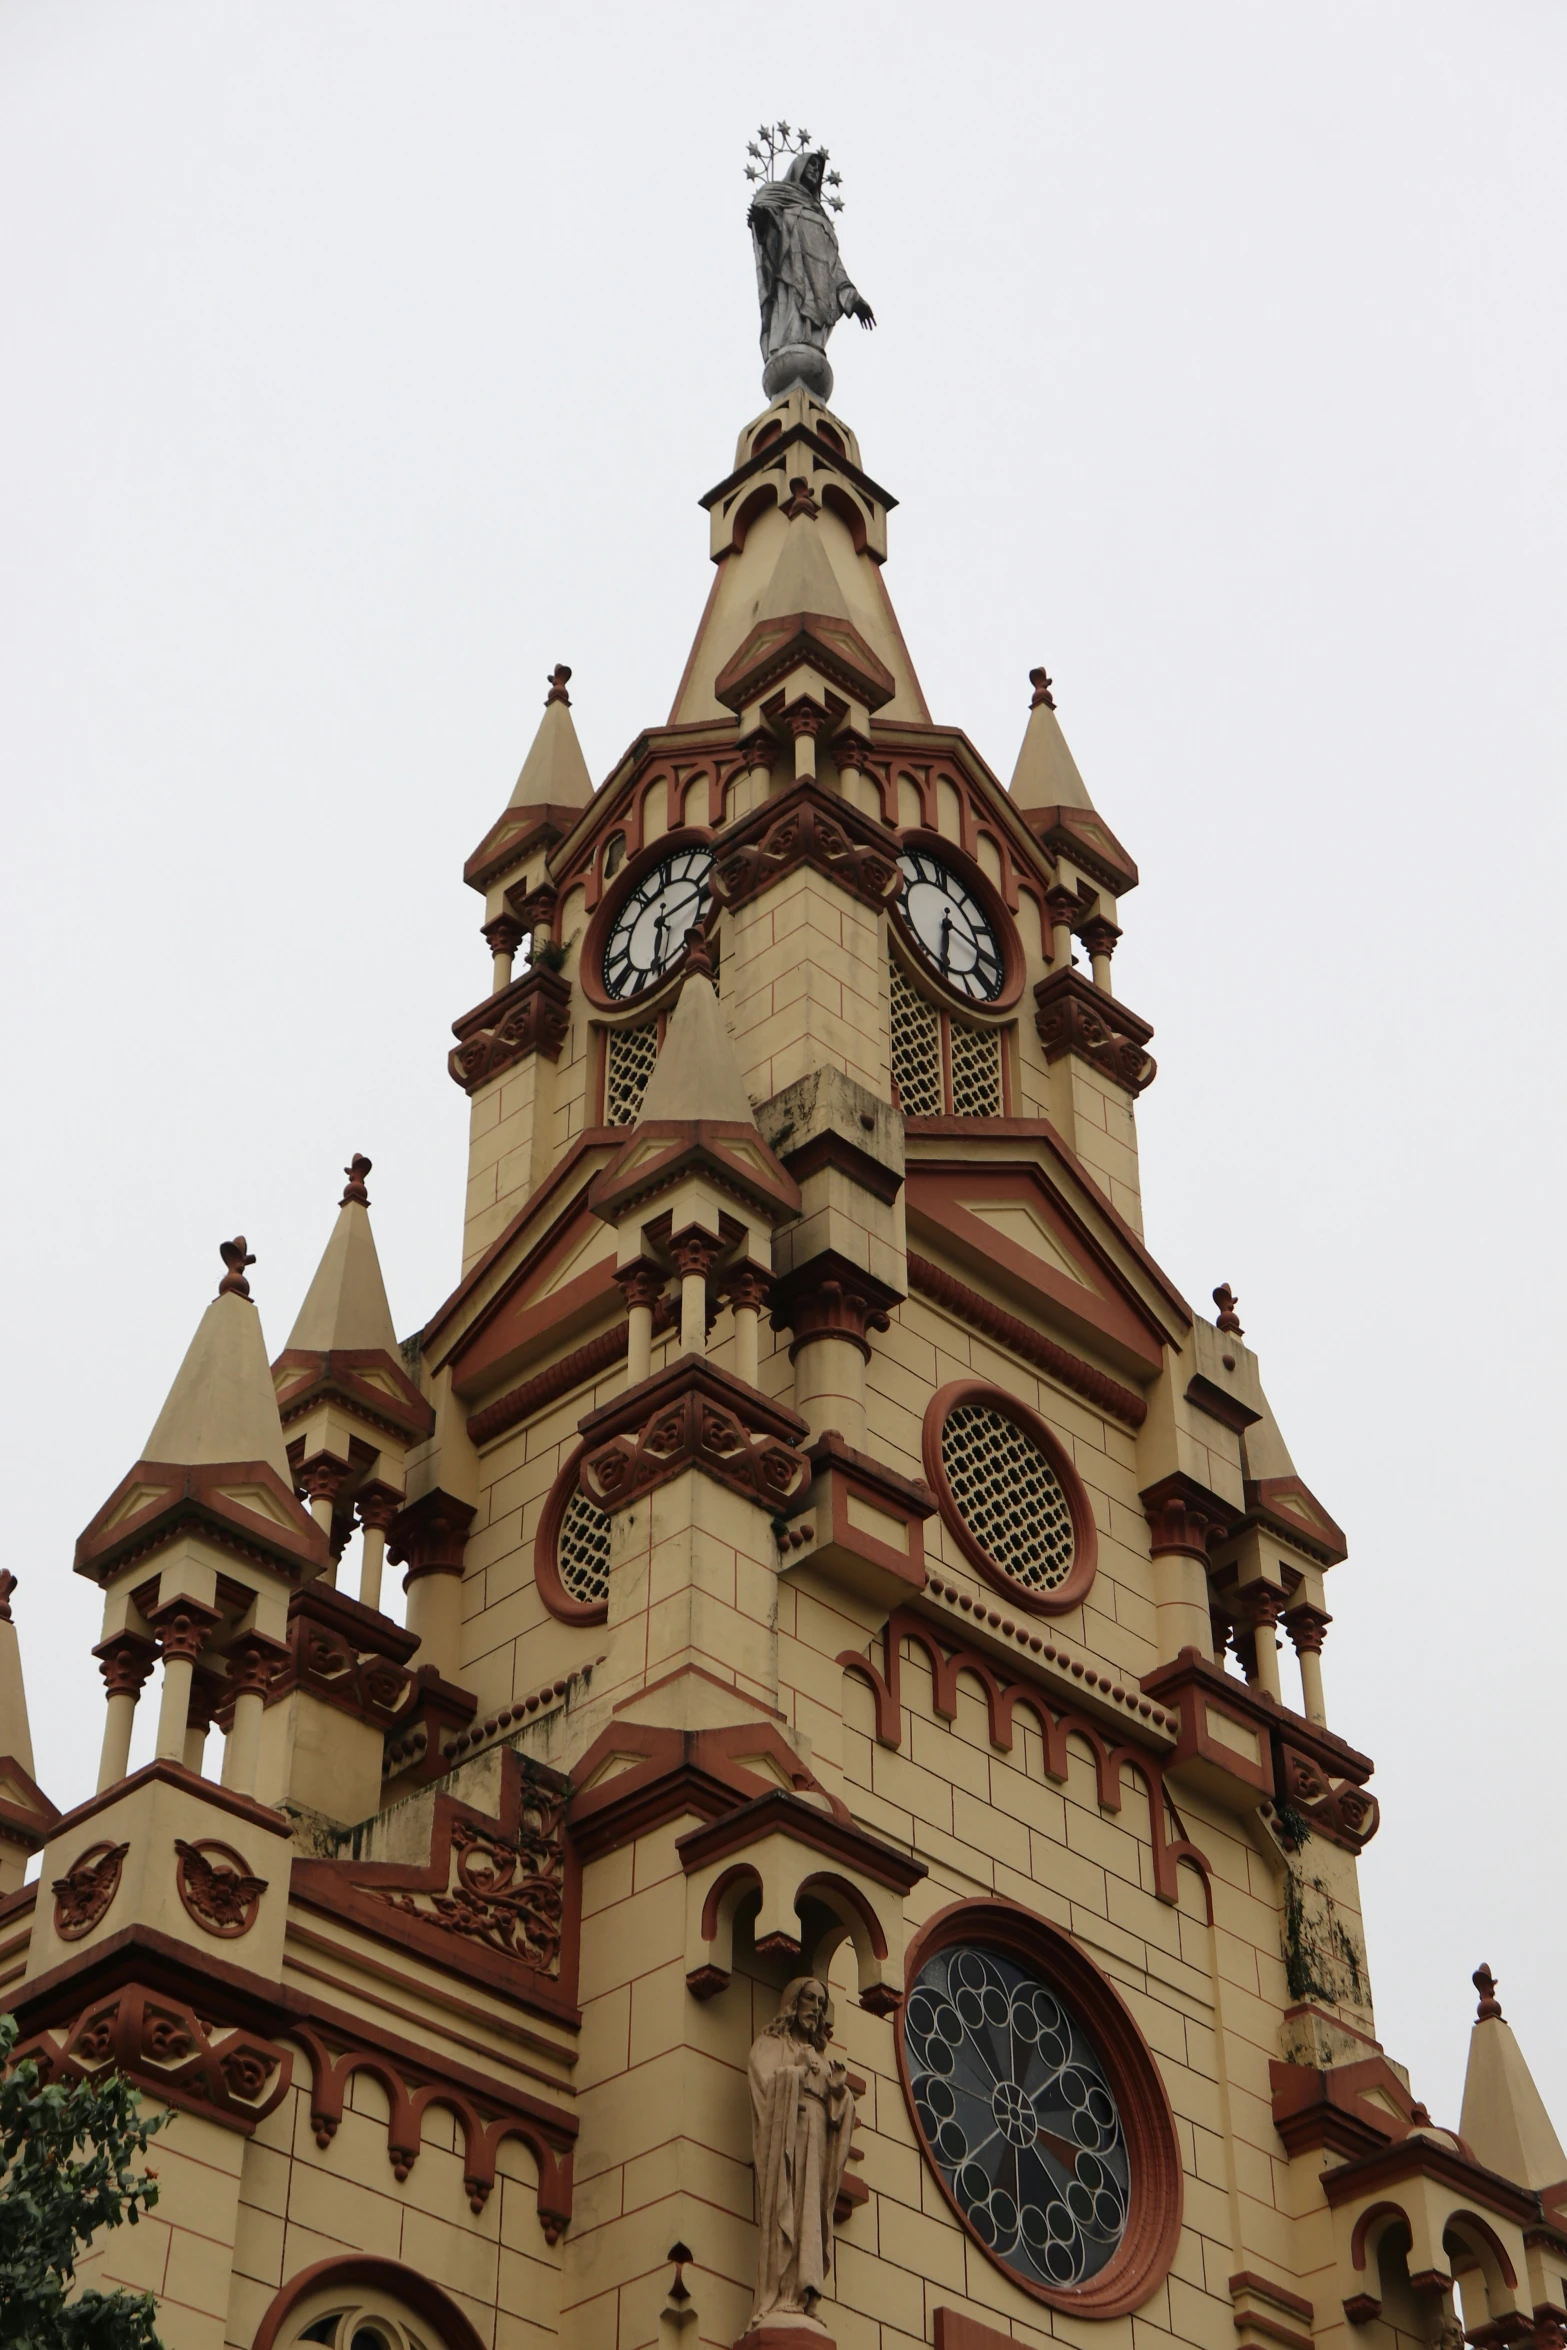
345 1306
221 1407
1046 773
1504 2120
696 1075
554 774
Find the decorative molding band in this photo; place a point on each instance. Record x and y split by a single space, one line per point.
587 1362
808 826
160 2045
839 1840
1074 1016
956 1298
355 1377
693 1416
530 1016
1003 1698
346 1655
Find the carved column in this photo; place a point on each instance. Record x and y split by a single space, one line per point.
503 937
376 1506
805 721
1061 906
125 1660
534 910
642 1286
205 1692
1307 1627
428 1538
1264 1603
1182 1517
747 1289
830 1305
695 1253
182 1628
1100 936
252 1662
320 1480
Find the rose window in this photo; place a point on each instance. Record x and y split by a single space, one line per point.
1017 2114
1009 1497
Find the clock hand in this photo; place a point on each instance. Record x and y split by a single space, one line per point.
946 938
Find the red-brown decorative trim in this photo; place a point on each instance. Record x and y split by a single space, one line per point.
1003 1698
216 1887
176 1497
585 1363
808 825
691 1415
161 2045
1341 1810
1246 2280
496 1902
830 1297
1014 967
1419 2157
307 1375
1153 2222
345 1654
967 1305
1319 1537
364 2272
125 1659
839 1839
82 1897
29 1824
530 1016
513 834
1083 835
174 1774
824 642
546 1546
658 1152
1074 1016
680 1772
1085 1536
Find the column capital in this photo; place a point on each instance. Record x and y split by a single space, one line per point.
429 1535
747 1288
183 1629
694 1251
503 935
532 908
1307 1626
1099 935
322 1477
1184 1516
831 1298
254 1661
376 1506
641 1283
125 1659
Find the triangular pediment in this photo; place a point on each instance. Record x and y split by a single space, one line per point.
563 1286
1028 1247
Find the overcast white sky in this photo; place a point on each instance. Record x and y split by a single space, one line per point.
365 360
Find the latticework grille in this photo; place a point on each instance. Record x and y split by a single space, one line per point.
582 1551
976 1071
632 1052
916 1050
1008 1496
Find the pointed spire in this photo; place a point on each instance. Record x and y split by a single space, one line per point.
16 1738
696 1075
554 774
345 1306
1046 773
221 1407
1504 2121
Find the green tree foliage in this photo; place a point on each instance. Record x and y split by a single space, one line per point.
66 2155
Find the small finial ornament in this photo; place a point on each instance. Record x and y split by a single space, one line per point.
236 1256
7 1586
356 1173
1041 681
1485 1983
560 678
699 955
801 283
1226 1300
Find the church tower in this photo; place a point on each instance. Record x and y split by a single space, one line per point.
852 1845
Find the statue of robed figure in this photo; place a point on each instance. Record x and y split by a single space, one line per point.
802 2115
801 282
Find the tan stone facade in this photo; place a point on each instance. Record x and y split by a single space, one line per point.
833 1546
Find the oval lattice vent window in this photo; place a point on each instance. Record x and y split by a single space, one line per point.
1011 1496
571 1551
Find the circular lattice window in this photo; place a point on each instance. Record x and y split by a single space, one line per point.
571 1551
1011 1496
1039 2108
582 1551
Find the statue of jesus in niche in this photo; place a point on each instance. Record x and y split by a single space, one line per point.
802 2117
801 282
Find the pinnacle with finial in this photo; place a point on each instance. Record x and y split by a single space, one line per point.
559 679
236 1256
1042 683
356 1172
1226 1300
1485 1983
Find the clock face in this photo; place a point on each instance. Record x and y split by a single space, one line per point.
950 927
1017 2113
649 934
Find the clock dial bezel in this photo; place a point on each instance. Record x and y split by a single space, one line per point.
628 883
976 886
